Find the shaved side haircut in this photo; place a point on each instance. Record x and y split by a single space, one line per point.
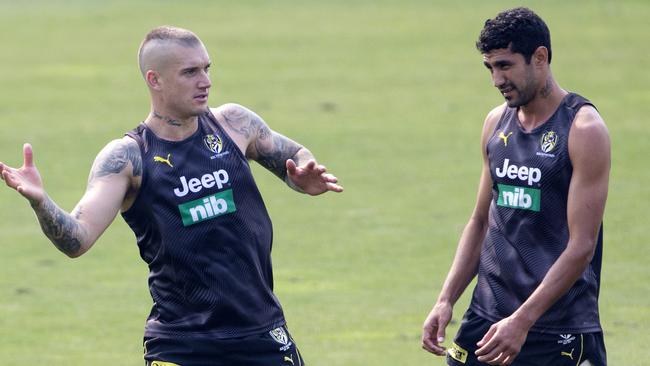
164 34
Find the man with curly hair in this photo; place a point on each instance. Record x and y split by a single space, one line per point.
534 239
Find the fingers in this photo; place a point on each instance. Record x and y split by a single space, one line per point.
312 177
291 167
441 334
431 339
9 178
28 155
310 164
320 169
334 187
485 340
493 351
330 178
432 345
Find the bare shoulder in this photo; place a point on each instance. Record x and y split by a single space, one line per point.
589 141
120 156
589 118
238 119
588 128
494 115
491 121
243 125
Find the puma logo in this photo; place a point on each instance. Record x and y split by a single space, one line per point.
166 161
568 354
504 137
289 359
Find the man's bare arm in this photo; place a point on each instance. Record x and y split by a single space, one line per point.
270 149
465 264
589 150
285 158
109 181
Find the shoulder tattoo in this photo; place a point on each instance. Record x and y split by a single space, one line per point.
240 120
115 159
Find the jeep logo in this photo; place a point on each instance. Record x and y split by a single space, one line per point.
218 178
523 173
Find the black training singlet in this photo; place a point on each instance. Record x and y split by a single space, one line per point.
528 230
203 229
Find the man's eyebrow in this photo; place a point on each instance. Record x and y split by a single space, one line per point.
499 63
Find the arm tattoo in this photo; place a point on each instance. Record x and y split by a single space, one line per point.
268 148
273 150
116 160
60 227
239 119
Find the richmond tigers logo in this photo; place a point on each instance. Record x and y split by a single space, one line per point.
548 142
213 143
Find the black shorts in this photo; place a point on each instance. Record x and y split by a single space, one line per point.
539 349
273 348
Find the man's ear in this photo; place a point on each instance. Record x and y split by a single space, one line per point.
540 56
153 80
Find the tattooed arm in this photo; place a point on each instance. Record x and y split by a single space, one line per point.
285 158
110 180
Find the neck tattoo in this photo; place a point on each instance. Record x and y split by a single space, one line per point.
169 121
546 90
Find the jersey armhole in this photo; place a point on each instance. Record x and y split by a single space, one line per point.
137 135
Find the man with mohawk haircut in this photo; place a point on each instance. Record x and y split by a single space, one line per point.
182 182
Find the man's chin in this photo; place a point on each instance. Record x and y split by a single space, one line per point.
199 110
513 102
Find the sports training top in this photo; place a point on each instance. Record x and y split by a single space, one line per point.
528 229
203 229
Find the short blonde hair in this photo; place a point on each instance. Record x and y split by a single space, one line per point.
167 33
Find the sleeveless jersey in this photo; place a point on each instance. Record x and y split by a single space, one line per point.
203 229
528 229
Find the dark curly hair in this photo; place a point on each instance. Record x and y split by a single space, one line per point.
519 29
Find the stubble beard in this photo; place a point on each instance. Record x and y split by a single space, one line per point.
524 95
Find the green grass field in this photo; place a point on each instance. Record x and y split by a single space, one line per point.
390 95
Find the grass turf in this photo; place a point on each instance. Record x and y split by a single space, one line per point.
390 95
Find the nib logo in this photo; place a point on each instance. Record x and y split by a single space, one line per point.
519 197
207 208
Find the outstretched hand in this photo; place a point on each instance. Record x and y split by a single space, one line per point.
26 180
312 178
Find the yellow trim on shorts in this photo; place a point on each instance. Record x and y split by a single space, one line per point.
457 353
582 348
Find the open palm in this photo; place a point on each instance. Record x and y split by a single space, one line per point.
26 180
312 178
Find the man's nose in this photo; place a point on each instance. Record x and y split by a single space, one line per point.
204 82
497 79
